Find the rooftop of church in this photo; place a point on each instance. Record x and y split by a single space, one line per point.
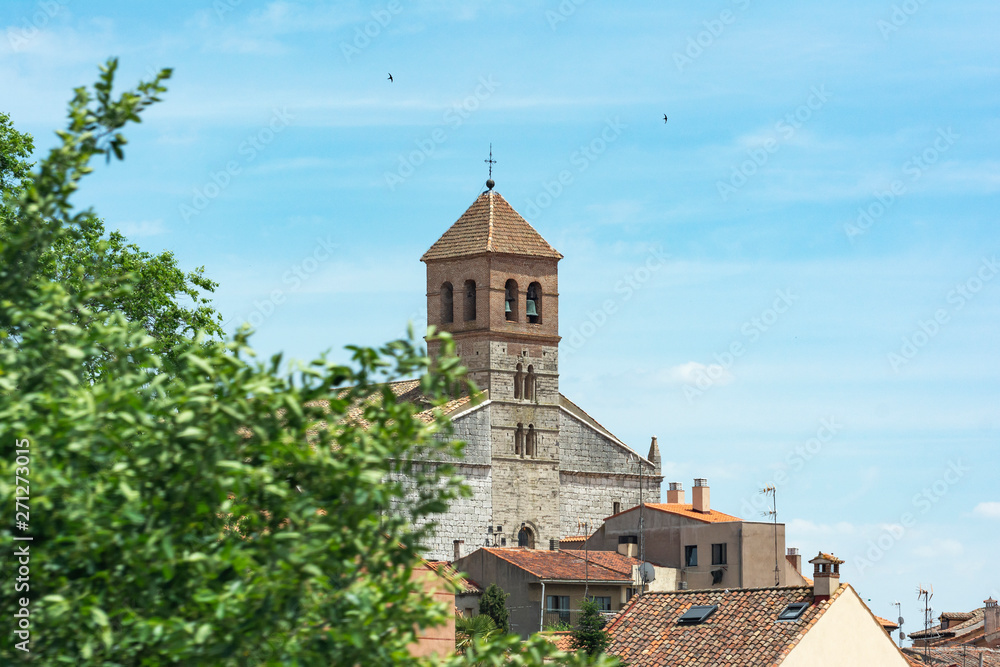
490 225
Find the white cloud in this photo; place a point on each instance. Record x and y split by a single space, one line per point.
939 548
142 228
693 371
988 510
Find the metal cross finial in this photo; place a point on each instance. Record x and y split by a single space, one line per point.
491 161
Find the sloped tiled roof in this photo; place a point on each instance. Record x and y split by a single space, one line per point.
953 655
887 624
743 631
687 510
574 538
563 639
490 225
557 565
609 559
404 390
962 630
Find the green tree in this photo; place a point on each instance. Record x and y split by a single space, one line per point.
472 629
209 515
493 603
589 635
169 303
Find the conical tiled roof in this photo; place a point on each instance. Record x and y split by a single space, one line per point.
490 225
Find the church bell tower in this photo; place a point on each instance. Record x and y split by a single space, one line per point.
492 282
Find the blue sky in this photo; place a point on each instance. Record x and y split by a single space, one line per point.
793 280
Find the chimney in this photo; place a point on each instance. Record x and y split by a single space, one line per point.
675 494
991 623
630 549
826 576
699 496
458 548
794 558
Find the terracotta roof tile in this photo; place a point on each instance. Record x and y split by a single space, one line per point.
953 655
490 225
886 623
687 510
563 639
609 559
558 565
973 622
744 631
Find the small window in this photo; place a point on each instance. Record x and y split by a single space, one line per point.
629 594
510 301
793 611
530 445
691 556
697 614
447 304
616 508
519 441
603 603
533 305
529 384
718 554
558 604
628 539
525 538
470 300
518 382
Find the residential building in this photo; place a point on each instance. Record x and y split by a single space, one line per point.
979 627
953 656
826 625
547 588
709 548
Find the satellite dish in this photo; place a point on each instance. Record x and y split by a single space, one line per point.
899 621
902 635
647 572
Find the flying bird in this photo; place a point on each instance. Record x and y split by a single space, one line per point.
664 118
390 79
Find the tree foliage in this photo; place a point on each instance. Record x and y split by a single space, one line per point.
221 513
169 303
589 635
493 603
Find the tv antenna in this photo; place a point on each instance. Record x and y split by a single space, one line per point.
773 513
926 595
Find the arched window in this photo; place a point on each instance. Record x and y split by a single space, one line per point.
518 381
529 384
447 304
510 301
533 307
519 441
525 537
470 300
530 444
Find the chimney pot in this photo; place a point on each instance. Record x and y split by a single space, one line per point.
700 496
675 494
826 576
991 623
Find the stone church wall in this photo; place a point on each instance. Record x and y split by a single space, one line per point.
595 473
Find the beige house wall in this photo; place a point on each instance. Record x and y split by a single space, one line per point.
847 634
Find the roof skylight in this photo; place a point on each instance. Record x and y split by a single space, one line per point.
793 611
697 614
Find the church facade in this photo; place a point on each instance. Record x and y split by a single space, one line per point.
539 466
